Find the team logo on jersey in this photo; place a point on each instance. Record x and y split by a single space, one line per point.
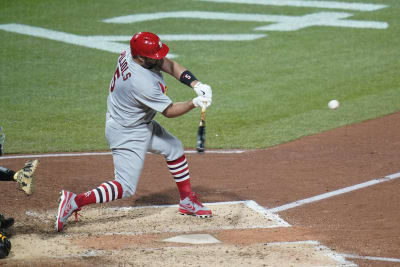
160 44
163 88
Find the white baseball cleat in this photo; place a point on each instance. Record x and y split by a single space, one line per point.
65 209
192 206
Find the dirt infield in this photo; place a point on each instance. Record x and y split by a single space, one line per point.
362 222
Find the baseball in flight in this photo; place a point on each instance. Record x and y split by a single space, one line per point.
333 104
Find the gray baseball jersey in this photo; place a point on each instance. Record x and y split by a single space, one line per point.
136 95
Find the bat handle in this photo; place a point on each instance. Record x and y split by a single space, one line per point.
203 112
203 108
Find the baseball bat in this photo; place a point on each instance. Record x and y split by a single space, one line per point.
201 132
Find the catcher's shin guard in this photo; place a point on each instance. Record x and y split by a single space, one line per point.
5 246
24 177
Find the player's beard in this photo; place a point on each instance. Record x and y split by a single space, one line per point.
153 65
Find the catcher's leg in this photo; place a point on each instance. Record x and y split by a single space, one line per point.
5 246
5 223
6 174
24 177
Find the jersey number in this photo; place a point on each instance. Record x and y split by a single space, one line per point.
116 76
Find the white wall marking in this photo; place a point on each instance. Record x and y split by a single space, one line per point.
110 43
329 19
187 37
334 193
283 23
304 3
85 41
63 37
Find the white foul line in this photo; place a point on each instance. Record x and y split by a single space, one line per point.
334 193
108 153
352 256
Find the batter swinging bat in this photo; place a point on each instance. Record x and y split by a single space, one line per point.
201 132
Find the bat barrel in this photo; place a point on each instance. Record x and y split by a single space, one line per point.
201 133
201 138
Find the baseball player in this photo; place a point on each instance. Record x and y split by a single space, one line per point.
24 178
137 92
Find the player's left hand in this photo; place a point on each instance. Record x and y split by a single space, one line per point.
202 89
200 101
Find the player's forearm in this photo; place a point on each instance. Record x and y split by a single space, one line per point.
174 69
177 109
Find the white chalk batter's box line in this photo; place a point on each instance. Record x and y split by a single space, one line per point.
340 258
109 153
298 203
251 204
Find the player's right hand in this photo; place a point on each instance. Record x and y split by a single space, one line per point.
201 100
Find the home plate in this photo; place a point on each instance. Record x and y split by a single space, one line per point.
193 239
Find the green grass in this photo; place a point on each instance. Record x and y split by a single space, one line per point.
265 92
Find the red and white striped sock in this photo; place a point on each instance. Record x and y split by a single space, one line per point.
106 192
179 168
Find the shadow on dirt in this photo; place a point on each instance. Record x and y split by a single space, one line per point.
171 197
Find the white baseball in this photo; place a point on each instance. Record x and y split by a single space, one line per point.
333 104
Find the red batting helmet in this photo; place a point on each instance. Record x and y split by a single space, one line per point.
148 44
